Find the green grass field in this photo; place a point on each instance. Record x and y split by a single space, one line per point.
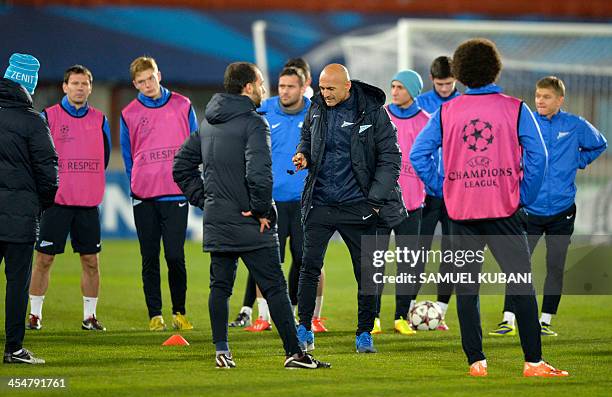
128 360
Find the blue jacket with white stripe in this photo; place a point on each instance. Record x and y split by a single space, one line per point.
285 131
572 143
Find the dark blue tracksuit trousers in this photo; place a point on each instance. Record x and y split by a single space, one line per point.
352 222
264 265
507 241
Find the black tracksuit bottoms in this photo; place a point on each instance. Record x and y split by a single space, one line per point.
264 265
165 220
507 241
406 235
434 212
558 229
18 269
352 222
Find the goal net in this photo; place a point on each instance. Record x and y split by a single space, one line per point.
579 54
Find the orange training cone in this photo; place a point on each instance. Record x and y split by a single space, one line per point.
176 340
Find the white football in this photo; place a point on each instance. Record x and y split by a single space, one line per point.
425 316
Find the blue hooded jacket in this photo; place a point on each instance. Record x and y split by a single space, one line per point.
572 143
285 132
431 101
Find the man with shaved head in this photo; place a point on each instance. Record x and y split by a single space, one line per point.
349 147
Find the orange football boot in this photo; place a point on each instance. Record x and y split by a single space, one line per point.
317 324
259 325
542 369
479 368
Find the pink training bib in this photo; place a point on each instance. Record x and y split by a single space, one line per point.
79 142
481 156
413 189
156 134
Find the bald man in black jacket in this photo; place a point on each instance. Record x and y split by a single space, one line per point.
350 149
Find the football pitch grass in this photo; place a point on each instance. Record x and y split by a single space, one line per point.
128 360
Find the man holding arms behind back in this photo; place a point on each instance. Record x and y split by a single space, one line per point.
235 191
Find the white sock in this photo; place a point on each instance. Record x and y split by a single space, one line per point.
482 362
262 308
412 303
36 304
318 307
444 307
89 307
509 317
534 364
295 310
247 310
546 318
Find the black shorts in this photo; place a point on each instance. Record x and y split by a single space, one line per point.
82 223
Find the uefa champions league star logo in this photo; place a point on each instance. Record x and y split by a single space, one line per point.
144 125
478 135
64 134
64 131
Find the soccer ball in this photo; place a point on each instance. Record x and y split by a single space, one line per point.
425 316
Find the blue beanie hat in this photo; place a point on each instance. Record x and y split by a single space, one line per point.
410 80
23 69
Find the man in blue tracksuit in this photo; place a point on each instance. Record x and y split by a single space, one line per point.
434 211
572 143
443 85
285 114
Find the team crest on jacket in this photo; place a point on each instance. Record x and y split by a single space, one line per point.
477 135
